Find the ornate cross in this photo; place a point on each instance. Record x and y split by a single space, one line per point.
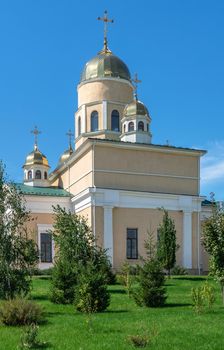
36 132
70 134
106 20
136 81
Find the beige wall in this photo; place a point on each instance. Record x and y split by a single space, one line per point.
143 220
144 161
79 175
35 219
109 90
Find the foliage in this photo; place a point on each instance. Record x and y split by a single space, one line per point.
178 270
151 291
203 296
143 338
167 246
91 294
213 241
76 248
208 295
127 276
19 312
197 299
18 254
29 338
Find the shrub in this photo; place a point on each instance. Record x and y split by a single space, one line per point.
178 271
126 277
197 299
208 294
19 312
63 281
139 341
29 338
151 291
91 294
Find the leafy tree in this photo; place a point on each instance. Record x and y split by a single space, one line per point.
213 241
76 247
167 246
18 254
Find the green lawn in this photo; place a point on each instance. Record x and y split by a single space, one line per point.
177 326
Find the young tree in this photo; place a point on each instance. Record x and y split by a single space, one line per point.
18 254
213 241
76 248
167 246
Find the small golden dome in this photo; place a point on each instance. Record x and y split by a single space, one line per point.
136 107
36 157
65 155
105 64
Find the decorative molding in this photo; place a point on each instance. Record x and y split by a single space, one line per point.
145 174
43 204
104 114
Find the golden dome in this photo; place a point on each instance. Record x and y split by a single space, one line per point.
65 155
36 157
136 107
105 64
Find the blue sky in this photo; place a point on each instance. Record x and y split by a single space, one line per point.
176 47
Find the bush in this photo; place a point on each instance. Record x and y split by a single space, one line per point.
151 292
44 272
126 276
91 294
178 271
29 338
64 280
19 312
197 299
208 295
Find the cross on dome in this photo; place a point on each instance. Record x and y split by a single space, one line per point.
136 81
36 132
69 134
106 20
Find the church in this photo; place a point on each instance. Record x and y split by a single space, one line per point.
114 175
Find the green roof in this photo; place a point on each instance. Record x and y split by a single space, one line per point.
42 191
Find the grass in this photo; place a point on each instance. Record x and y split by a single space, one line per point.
176 325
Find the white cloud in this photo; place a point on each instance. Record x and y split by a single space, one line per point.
212 164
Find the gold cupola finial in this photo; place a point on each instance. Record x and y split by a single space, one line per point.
136 81
106 20
36 132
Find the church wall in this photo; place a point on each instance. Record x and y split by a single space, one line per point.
109 90
195 239
38 218
143 220
164 169
79 176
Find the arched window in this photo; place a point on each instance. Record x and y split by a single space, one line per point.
45 175
124 127
38 174
115 120
141 126
29 175
94 121
130 126
79 126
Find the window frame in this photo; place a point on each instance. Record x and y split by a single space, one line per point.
45 253
131 255
131 126
94 118
39 176
115 114
142 128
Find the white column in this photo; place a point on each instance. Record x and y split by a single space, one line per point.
83 119
108 231
187 239
105 115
